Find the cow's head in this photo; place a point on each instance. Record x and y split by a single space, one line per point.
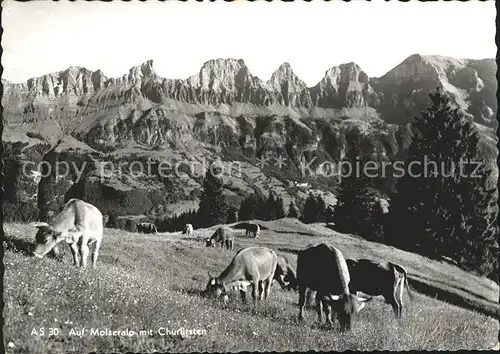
346 306
215 288
291 279
46 240
210 242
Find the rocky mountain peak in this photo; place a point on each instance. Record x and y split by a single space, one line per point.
352 72
139 72
344 85
292 90
223 75
422 68
284 75
397 96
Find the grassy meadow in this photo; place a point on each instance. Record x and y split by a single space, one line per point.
154 282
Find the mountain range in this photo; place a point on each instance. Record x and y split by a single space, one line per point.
225 111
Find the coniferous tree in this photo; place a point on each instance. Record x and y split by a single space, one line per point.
232 215
279 208
321 207
245 211
373 227
310 211
251 208
292 211
357 204
329 214
446 206
270 207
213 206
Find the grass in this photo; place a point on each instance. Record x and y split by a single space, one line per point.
147 282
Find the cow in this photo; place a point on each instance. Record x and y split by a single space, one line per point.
188 229
253 266
147 228
285 274
322 268
223 236
253 229
386 279
79 224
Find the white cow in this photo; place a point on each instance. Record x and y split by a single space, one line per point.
79 224
188 229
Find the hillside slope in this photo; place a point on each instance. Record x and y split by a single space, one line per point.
145 282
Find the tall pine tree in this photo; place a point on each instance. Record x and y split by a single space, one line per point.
321 207
357 209
310 211
293 211
270 207
279 208
446 206
213 206
251 208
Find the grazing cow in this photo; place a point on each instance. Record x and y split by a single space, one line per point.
79 224
147 228
253 229
188 229
387 279
224 236
285 274
323 268
250 266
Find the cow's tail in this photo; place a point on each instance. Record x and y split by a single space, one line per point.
400 269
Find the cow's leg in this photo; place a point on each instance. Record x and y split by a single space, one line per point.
84 250
95 254
243 295
269 283
262 289
302 301
398 296
389 298
319 307
255 291
328 311
75 251
265 289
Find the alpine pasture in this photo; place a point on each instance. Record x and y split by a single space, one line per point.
154 283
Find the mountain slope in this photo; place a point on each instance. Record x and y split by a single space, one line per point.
225 112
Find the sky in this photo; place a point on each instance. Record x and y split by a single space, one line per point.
41 37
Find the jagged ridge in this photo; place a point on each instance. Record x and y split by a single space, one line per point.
398 95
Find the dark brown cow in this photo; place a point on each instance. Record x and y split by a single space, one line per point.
386 279
322 268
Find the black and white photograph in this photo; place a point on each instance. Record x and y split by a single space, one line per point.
216 176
